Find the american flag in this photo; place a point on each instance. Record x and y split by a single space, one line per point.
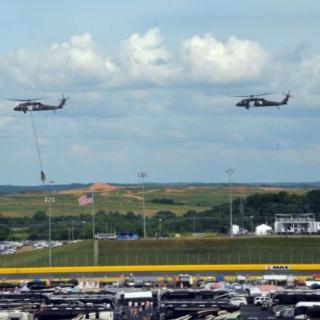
86 199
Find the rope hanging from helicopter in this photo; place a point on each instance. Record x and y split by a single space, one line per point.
42 174
31 105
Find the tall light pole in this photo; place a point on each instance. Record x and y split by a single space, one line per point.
72 231
230 173
142 175
83 223
251 224
49 201
160 220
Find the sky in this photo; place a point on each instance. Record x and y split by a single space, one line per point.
150 86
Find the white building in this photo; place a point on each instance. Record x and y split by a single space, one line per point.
235 229
296 224
263 230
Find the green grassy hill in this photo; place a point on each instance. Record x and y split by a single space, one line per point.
80 253
128 199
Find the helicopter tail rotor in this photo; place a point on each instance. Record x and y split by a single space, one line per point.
63 101
65 98
287 96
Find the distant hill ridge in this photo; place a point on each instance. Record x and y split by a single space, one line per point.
5 189
102 186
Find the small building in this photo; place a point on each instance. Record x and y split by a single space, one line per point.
235 229
106 236
263 230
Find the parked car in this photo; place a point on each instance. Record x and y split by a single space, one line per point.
238 301
258 301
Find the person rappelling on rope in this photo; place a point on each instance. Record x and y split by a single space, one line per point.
43 177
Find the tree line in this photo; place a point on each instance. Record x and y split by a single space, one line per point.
247 212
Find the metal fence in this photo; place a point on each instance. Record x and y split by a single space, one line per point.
212 256
169 257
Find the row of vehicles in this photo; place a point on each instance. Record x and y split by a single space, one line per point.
44 302
297 304
10 247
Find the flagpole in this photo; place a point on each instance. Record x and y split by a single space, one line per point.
95 241
93 222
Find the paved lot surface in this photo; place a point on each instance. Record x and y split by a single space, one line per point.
256 313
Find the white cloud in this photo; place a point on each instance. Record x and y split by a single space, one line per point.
310 71
80 150
6 122
72 63
117 155
237 136
309 155
210 60
146 58
240 66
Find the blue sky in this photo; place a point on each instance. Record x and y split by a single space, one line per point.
149 85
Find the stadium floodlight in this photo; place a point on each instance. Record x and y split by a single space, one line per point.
142 175
230 172
251 223
49 201
160 220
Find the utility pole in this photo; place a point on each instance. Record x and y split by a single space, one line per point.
49 201
142 175
230 173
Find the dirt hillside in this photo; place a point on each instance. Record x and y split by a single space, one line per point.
100 187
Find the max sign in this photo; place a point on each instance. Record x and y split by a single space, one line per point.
278 267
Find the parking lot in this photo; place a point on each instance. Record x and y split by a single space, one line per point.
252 312
183 297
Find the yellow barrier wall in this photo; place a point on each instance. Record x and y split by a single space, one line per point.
161 268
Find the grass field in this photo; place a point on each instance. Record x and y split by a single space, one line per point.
128 199
80 253
271 250
211 251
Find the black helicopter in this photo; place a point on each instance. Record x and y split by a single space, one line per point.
35 105
255 101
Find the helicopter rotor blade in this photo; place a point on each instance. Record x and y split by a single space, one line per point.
27 100
240 96
263 94
253 95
